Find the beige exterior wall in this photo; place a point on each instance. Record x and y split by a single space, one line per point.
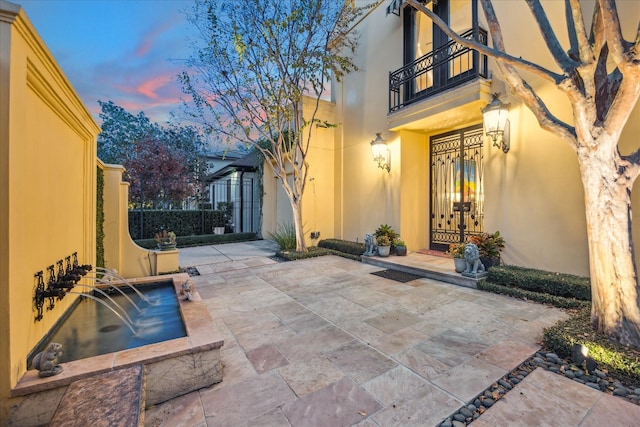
414 194
533 194
371 196
47 186
319 199
120 251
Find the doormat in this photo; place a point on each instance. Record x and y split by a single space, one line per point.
432 252
398 276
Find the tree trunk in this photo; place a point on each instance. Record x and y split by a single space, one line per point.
614 288
296 208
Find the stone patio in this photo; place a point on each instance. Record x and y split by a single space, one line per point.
322 342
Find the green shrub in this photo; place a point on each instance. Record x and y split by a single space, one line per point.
285 236
345 246
314 252
202 239
291 255
619 360
563 285
543 298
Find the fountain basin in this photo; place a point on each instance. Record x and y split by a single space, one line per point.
92 328
173 368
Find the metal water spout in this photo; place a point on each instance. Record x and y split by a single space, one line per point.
58 284
43 293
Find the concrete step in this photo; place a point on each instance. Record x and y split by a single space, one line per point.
428 266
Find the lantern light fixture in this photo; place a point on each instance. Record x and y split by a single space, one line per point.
496 122
381 153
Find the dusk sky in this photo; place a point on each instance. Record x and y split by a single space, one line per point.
125 51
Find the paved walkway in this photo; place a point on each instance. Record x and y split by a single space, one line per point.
322 342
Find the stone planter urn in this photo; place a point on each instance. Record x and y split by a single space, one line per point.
383 251
460 264
401 250
166 246
489 262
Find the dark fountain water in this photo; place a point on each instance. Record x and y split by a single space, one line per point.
122 320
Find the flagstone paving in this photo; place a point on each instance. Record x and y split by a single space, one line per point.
322 342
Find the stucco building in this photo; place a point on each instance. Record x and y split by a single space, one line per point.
424 94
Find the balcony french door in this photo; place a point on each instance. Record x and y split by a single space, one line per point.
432 62
457 197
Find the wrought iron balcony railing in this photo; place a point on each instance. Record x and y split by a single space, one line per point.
443 68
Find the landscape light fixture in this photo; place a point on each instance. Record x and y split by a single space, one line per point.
496 122
381 153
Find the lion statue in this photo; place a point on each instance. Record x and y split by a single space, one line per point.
46 362
472 257
369 245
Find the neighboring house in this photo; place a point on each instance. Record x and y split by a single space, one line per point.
236 186
424 95
217 161
211 163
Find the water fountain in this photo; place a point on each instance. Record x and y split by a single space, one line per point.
193 358
117 322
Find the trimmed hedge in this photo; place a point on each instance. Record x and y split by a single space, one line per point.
203 239
563 285
619 360
556 301
183 223
344 246
314 252
290 255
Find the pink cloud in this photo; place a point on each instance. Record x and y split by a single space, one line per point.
150 87
149 39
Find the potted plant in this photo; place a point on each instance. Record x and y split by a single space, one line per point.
386 230
166 240
384 245
456 251
400 246
489 246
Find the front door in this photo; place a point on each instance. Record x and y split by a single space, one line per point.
457 196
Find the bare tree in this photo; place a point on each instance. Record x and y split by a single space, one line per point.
257 61
602 101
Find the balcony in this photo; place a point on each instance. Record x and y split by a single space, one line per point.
444 68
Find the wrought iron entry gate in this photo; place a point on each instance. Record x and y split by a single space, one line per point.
239 197
457 197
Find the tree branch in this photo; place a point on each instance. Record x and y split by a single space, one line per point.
613 32
559 55
578 32
574 49
494 53
633 158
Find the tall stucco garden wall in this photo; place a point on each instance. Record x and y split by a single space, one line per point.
47 186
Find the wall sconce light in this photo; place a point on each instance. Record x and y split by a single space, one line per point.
381 153
496 122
